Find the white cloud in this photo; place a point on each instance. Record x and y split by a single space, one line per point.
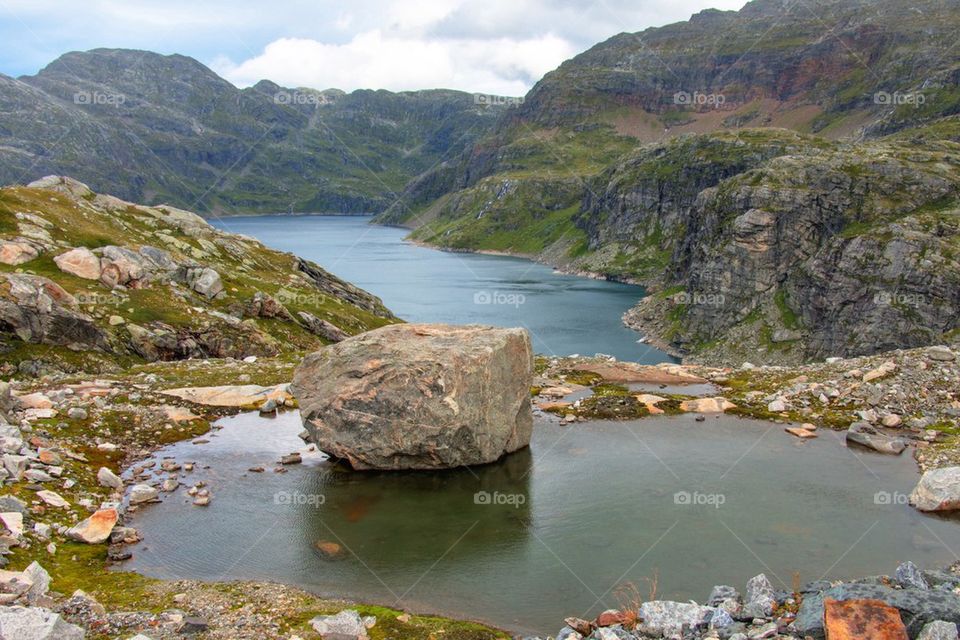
502 66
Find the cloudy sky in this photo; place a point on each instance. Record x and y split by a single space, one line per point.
495 46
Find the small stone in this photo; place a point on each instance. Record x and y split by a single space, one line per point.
908 575
108 478
941 353
800 433
293 458
77 413
140 493
116 321
891 420
13 521
777 406
347 623
201 501
53 499
193 624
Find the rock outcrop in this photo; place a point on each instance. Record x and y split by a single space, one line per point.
419 396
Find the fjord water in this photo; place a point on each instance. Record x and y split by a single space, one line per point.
564 314
548 532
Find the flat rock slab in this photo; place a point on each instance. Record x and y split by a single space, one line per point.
800 432
419 396
627 372
917 607
858 619
249 395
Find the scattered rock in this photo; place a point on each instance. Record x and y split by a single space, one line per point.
865 435
666 618
95 529
800 432
140 493
53 499
108 478
941 353
761 597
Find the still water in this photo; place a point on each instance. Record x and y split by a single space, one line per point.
564 314
549 532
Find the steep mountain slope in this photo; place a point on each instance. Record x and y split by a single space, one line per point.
632 161
154 128
91 282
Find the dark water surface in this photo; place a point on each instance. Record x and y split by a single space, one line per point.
549 532
564 314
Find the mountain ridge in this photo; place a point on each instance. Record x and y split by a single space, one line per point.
157 128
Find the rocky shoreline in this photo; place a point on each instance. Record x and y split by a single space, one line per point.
70 439
922 605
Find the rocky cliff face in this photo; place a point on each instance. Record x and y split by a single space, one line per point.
92 282
152 128
835 251
787 190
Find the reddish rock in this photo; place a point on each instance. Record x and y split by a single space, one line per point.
859 619
609 618
96 528
800 433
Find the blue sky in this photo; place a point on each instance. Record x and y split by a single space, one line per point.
496 46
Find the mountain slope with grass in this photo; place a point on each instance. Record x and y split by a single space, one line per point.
91 282
788 163
152 128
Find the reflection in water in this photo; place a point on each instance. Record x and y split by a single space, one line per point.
547 532
415 513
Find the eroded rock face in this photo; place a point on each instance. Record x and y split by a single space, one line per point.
419 396
40 311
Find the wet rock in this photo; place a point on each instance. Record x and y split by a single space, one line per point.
801 433
419 396
36 623
328 549
80 262
579 626
140 493
293 458
938 490
865 435
95 529
908 575
107 478
857 619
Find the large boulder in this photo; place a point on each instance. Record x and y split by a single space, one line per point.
938 490
80 262
18 251
419 396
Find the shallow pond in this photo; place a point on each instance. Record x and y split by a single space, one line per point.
548 532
